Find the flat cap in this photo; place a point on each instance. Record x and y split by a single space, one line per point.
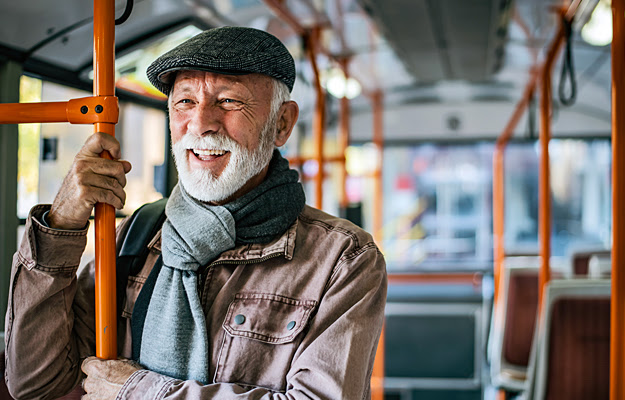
226 50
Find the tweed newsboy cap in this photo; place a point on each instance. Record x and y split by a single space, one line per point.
226 50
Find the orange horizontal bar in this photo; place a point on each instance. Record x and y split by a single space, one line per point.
473 278
301 160
26 113
85 110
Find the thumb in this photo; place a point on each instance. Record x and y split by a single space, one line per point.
127 165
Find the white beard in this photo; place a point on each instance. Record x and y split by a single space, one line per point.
242 166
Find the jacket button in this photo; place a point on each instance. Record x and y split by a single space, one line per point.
291 325
239 319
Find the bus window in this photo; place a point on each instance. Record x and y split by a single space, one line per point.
437 203
141 132
438 215
581 196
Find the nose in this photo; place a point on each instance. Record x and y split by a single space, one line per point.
205 120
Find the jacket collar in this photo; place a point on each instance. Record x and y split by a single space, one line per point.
282 246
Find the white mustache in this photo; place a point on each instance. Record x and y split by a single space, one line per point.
214 141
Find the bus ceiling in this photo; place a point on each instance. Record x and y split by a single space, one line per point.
448 69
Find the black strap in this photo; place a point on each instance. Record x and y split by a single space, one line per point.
568 70
144 224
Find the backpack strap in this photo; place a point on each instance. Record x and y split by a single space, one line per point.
143 226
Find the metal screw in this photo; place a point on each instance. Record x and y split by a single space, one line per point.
84 109
99 109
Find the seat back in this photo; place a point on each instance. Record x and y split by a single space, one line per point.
514 323
580 260
521 307
599 267
572 359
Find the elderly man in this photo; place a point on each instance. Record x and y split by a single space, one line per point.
245 292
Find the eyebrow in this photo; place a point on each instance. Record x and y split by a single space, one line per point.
182 88
232 83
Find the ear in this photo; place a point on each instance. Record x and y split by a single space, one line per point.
287 117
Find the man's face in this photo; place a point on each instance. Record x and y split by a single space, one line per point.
222 132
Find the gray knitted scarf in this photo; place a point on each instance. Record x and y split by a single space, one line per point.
174 341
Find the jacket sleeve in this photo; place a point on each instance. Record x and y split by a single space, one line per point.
50 325
333 361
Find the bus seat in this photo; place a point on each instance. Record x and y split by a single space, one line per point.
571 358
579 260
514 323
599 266
75 394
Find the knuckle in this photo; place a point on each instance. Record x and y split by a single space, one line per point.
81 165
119 169
111 198
81 180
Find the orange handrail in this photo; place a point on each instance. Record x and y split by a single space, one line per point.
344 138
377 379
378 141
617 345
499 178
299 160
499 167
84 110
104 85
102 110
312 38
544 192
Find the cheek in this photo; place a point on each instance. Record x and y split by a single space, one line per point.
177 128
244 132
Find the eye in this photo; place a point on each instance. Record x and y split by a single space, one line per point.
229 104
184 101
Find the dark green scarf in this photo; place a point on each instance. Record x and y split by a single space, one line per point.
169 331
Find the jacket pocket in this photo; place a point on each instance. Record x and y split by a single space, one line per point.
262 333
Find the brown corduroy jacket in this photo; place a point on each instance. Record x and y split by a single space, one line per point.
324 273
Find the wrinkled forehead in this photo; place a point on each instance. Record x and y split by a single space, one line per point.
257 84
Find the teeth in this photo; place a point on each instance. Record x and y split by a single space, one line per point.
209 152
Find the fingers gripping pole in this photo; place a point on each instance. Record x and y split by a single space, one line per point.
104 85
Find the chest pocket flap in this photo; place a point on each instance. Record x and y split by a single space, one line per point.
267 317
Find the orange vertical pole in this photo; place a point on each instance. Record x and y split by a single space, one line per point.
498 218
544 192
377 379
344 139
617 345
104 85
319 117
499 186
378 140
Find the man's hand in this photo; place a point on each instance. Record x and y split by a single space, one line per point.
91 179
105 378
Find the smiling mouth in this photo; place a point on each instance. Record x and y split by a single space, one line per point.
205 155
